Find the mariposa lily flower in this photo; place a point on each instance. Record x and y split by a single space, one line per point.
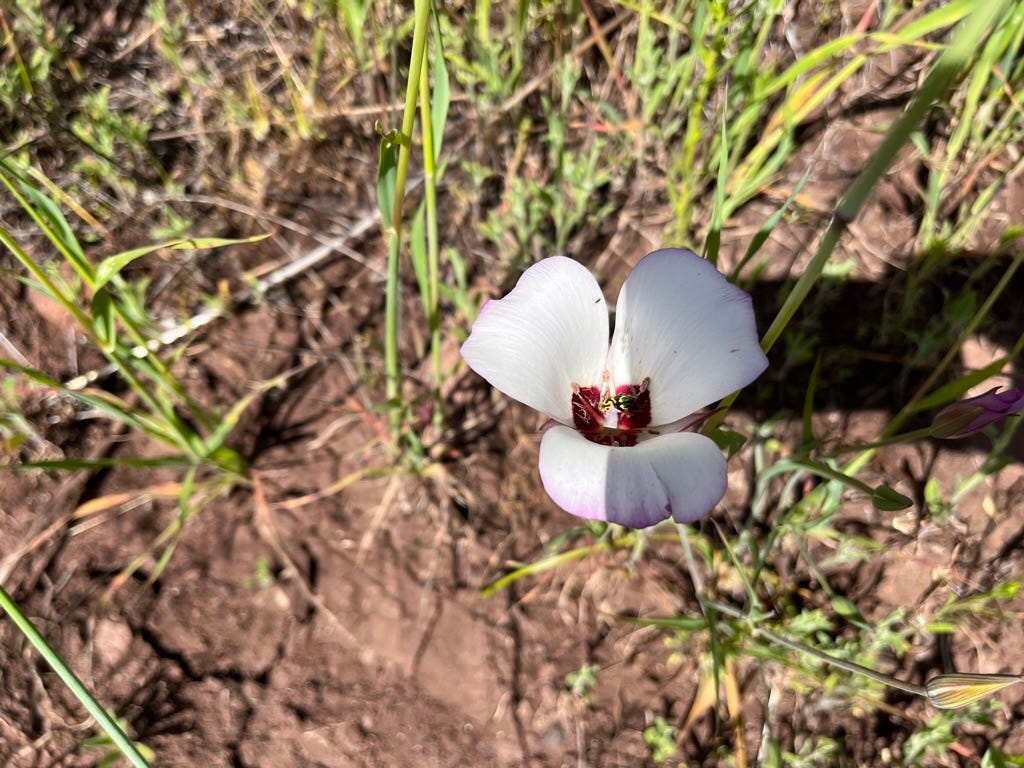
684 338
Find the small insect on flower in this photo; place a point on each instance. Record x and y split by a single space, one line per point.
614 449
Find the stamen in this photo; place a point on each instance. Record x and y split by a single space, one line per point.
586 411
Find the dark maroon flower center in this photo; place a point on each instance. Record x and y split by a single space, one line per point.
612 419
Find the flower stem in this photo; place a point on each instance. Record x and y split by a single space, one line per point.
394 227
849 666
433 250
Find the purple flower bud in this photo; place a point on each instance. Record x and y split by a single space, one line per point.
975 413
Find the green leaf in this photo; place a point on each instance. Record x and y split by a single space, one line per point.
807 432
46 213
107 403
941 627
104 323
418 254
229 460
885 499
441 96
994 757
846 608
828 472
64 672
680 623
727 440
52 213
387 174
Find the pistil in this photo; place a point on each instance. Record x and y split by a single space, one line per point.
612 419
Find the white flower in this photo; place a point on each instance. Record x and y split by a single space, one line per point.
684 338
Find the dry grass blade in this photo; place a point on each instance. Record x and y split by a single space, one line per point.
334 488
734 702
704 700
168 490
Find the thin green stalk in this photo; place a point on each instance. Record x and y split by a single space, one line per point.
950 63
120 739
946 691
849 666
695 124
392 372
433 249
394 230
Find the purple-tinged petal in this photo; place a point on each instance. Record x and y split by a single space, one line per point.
680 475
682 324
548 333
972 415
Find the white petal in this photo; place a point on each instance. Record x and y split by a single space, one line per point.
681 323
680 475
548 333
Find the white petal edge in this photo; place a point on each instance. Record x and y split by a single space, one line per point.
548 333
680 475
681 323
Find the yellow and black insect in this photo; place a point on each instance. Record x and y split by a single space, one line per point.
621 402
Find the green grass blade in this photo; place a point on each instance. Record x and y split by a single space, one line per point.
74 464
765 231
112 265
106 722
48 217
441 93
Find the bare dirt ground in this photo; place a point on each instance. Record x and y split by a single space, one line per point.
348 629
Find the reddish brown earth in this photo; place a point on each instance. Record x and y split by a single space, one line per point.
349 629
